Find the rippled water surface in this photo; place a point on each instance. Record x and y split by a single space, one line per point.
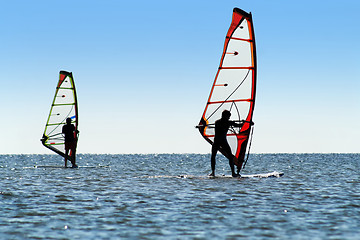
142 197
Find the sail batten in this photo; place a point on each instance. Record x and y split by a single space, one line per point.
234 86
64 105
64 88
240 39
250 68
229 101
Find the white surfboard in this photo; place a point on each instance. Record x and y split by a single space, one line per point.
259 175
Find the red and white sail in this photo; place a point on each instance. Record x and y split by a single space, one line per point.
234 86
63 106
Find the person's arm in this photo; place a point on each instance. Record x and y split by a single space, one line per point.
235 124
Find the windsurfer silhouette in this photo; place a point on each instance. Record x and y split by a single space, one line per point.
70 141
220 142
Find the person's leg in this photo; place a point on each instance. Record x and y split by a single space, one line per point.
225 146
214 150
66 154
73 155
240 161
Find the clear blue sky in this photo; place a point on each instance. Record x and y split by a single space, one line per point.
144 69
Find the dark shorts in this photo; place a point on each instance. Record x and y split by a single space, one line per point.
70 145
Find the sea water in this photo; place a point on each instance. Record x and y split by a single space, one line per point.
142 197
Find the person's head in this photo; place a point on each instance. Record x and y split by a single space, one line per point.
226 114
68 120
